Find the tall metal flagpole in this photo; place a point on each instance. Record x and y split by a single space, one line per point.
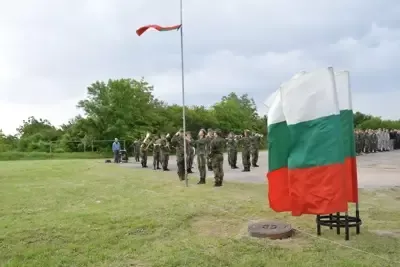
183 98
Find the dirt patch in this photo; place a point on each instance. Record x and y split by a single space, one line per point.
390 233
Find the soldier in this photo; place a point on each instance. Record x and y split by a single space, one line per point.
136 146
245 143
356 141
190 154
209 137
217 147
200 146
143 155
362 141
165 150
374 141
387 140
232 146
367 141
255 141
178 142
156 153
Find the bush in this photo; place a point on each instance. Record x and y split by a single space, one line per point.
14 155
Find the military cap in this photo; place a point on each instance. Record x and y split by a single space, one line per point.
217 131
210 130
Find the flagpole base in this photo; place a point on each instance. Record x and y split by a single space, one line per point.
338 221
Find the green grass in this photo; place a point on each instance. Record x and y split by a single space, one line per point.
15 155
87 213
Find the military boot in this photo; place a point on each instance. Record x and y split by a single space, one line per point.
218 183
202 181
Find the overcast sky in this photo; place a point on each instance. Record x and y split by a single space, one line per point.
50 51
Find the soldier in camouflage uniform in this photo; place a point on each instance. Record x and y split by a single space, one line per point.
255 140
246 143
356 141
232 145
143 155
156 153
209 137
165 150
178 142
190 154
367 141
201 145
374 141
217 147
362 141
136 150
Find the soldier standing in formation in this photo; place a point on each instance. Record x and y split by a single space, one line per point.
217 147
190 154
210 136
255 140
156 153
136 150
201 145
165 150
143 155
246 143
232 147
178 142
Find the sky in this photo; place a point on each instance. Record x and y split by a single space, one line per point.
50 51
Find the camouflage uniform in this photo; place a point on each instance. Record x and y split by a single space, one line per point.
245 143
136 149
201 145
190 154
209 138
156 154
178 142
374 141
254 149
217 147
165 150
232 145
143 155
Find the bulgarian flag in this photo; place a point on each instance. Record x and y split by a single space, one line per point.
278 151
316 158
343 89
159 28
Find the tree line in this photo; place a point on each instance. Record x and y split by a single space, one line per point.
127 109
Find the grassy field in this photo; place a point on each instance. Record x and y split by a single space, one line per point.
15 155
87 213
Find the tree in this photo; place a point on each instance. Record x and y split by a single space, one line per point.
127 109
236 113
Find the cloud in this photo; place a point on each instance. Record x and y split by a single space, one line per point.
50 52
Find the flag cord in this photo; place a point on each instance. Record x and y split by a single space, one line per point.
183 97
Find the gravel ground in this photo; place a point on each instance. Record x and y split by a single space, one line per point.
374 170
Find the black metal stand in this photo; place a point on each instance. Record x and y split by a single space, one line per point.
340 221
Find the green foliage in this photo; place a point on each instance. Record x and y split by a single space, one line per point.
127 109
363 121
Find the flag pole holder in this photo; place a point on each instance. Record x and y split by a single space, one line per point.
339 221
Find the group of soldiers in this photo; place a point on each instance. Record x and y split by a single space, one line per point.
370 141
208 148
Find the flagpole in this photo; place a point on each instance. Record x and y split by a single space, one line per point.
183 98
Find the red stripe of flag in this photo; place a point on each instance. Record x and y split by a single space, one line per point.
159 28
